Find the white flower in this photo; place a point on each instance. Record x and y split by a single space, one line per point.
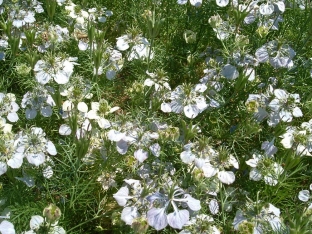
264 167
37 146
277 54
284 105
8 106
187 99
7 227
196 3
58 69
38 100
157 79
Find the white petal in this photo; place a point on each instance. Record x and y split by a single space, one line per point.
36 159
51 148
46 111
35 222
155 149
262 54
128 214
12 117
82 107
255 174
157 218
230 72
297 112
83 45
192 203
222 3
31 113
64 130
178 218
191 111
187 157
103 123
266 9
140 155
3 168
196 3
114 135
182 2
110 74
7 227
214 206
122 196
165 107
226 177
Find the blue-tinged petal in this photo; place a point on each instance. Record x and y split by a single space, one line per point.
157 218
178 218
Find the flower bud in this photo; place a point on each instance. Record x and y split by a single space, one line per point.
52 213
189 36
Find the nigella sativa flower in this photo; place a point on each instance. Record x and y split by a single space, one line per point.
188 99
157 216
8 107
38 100
36 146
56 68
279 55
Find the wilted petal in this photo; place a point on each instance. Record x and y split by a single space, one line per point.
47 172
110 74
29 181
